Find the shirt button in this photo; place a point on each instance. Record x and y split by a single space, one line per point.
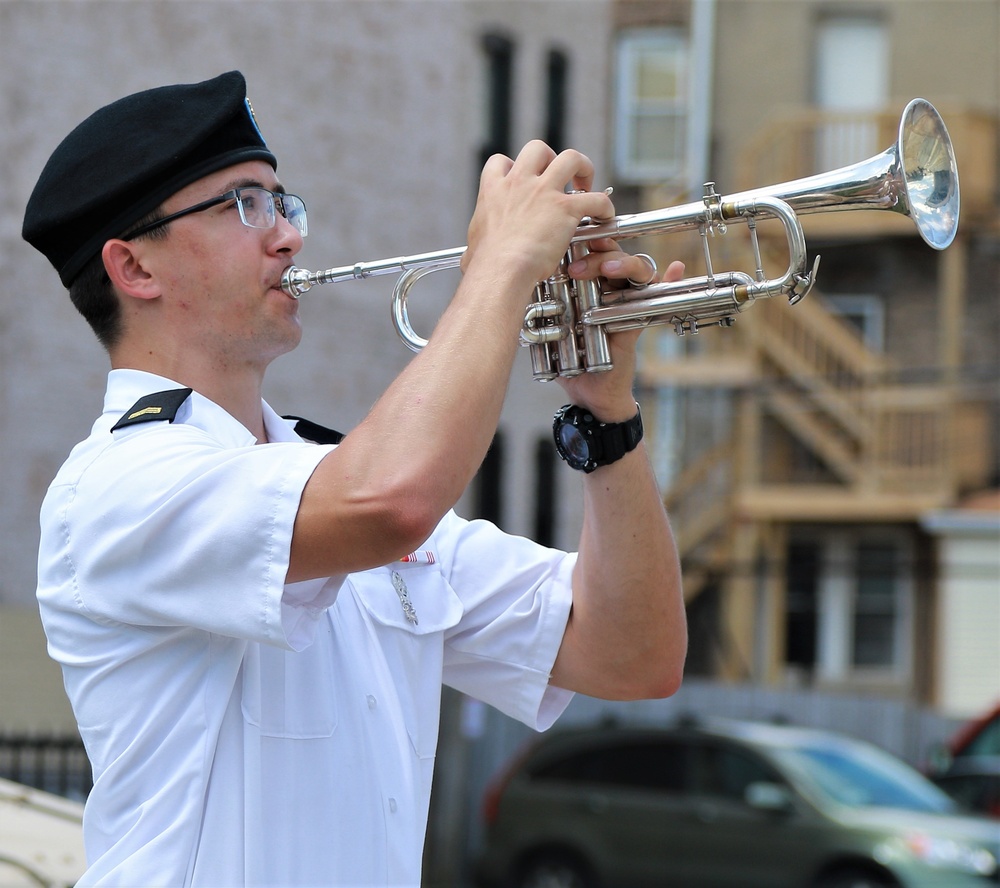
392 805
372 702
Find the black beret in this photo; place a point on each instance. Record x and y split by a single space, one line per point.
127 158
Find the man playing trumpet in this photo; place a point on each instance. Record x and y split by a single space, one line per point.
254 628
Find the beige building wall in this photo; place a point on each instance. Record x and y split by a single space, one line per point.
968 628
946 51
31 687
970 617
375 111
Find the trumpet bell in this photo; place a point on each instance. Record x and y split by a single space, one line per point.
915 177
929 173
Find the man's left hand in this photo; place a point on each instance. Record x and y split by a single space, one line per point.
609 395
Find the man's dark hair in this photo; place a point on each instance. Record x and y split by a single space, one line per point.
94 297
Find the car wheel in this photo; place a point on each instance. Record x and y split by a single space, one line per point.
855 878
554 870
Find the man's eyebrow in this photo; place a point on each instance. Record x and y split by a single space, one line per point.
252 183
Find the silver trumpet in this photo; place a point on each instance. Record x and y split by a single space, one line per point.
567 324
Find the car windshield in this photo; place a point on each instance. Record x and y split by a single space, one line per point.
862 777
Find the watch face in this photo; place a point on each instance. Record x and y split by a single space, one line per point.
586 443
574 444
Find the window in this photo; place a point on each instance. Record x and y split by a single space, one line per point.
987 741
848 604
489 483
556 89
802 603
660 765
852 74
651 105
545 491
498 101
726 773
866 314
875 605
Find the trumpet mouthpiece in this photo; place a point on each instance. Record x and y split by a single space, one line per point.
296 281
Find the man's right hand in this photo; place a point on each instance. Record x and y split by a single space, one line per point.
524 214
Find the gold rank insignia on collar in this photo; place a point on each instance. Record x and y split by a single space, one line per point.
153 408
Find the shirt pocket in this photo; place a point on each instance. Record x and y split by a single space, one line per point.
409 607
290 694
413 597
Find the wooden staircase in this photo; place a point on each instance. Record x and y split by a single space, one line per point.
887 449
802 381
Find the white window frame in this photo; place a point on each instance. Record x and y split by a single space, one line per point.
852 74
868 308
836 602
632 45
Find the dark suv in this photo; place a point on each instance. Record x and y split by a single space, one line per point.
731 805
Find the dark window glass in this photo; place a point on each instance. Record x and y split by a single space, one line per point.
875 605
556 89
728 772
662 766
489 483
987 741
545 491
802 603
499 52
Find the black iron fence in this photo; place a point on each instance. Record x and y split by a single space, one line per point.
54 763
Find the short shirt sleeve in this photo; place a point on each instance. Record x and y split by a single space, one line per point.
516 597
168 527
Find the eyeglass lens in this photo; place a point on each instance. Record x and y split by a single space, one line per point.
258 207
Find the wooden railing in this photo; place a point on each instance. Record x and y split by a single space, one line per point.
836 397
809 141
813 141
699 497
873 435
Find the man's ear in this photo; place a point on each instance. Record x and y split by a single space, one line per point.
123 263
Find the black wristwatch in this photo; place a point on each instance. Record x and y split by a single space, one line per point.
586 443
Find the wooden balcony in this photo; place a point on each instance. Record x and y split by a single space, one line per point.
796 145
881 450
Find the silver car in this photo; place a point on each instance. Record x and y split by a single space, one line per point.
726 805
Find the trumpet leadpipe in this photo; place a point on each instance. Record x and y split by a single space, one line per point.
296 281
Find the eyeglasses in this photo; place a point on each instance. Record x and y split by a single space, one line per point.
258 208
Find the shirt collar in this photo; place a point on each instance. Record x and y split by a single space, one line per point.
126 386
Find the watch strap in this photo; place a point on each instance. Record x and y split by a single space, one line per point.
619 438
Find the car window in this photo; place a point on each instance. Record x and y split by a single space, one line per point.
726 772
986 742
859 777
660 765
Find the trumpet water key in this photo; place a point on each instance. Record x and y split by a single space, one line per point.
567 325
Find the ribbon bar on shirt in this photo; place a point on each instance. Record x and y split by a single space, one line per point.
424 556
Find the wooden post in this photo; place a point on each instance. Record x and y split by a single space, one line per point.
953 267
739 589
775 636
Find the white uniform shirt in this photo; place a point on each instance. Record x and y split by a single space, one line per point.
244 732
